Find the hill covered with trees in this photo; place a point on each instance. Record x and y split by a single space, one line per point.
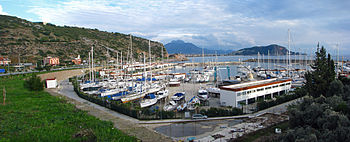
274 49
33 41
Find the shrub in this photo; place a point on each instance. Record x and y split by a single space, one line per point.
34 83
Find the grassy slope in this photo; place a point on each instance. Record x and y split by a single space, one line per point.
38 116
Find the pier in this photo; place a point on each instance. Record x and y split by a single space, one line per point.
212 63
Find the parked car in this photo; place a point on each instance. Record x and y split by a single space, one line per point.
199 116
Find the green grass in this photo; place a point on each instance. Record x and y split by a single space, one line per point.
263 132
38 116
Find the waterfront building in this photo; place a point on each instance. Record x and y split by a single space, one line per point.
249 92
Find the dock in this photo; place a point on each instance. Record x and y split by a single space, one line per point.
212 63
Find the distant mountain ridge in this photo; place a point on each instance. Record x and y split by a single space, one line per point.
273 49
181 47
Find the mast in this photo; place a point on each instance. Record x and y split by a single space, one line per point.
162 56
203 56
89 67
144 69
117 60
268 59
92 63
289 52
258 59
150 59
131 64
131 56
337 67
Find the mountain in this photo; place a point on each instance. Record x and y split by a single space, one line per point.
33 41
274 49
179 46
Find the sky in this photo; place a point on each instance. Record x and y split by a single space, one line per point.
212 24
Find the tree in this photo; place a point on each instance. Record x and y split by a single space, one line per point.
318 81
34 83
47 67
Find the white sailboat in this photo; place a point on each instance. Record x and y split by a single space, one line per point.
162 94
149 100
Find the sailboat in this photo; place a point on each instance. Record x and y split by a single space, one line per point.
149 100
162 94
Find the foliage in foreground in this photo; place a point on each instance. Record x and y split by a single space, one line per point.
325 114
38 116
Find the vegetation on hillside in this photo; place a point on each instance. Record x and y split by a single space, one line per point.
33 41
324 114
38 116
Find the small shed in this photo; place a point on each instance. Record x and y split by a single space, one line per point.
51 83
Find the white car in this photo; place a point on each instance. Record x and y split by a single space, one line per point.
199 116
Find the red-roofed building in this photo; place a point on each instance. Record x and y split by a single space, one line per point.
77 61
51 61
4 61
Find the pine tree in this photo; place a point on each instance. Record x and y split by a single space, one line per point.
318 81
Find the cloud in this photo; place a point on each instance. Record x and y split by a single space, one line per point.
212 24
2 12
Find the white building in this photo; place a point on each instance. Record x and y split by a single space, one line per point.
250 92
51 83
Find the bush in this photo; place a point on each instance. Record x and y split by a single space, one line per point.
34 83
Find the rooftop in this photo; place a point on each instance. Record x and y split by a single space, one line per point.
253 84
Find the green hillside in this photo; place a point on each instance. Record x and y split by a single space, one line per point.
32 41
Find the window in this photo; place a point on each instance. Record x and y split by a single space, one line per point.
268 88
275 86
282 85
288 84
261 89
238 94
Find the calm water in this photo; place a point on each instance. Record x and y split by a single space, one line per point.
223 71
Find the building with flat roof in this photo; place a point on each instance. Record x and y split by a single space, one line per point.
250 92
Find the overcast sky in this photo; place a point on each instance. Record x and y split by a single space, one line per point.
219 24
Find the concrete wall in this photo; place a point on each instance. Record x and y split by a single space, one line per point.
63 75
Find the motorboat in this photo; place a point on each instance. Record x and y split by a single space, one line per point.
171 106
213 90
202 94
174 82
181 107
193 103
